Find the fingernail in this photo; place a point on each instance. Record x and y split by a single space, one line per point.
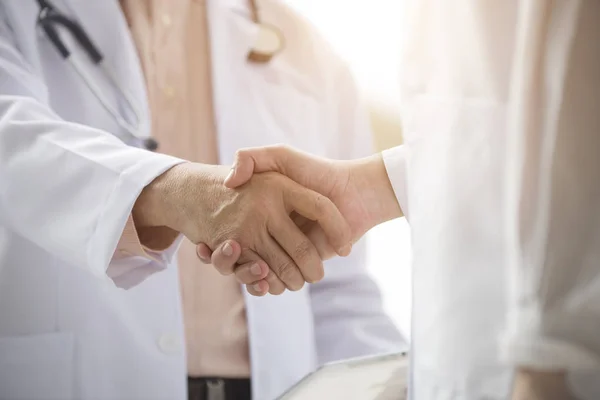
227 249
201 256
256 269
230 174
257 287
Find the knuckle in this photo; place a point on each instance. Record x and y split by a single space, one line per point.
281 151
303 251
239 154
243 276
224 268
287 272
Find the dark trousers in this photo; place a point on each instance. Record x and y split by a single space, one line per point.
219 389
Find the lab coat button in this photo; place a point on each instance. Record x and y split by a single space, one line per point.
169 343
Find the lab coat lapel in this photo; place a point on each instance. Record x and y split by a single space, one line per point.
120 55
230 39
258 104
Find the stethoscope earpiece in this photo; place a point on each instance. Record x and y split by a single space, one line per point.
269 39
269 42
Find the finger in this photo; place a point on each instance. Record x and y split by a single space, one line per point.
274 284
204 253
316 235
301 250
258 289
252 272
319 208
278 158
281 266
244 166
226 256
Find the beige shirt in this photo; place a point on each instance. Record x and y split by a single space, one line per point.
173 45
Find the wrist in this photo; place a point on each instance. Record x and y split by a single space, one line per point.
370 177
151 208
184 199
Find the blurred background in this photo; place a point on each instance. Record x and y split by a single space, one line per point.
367 35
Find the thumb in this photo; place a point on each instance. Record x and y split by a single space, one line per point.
277 158
242 169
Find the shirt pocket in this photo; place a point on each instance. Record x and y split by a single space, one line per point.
37 367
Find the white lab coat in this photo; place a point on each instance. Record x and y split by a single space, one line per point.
505 251
67 187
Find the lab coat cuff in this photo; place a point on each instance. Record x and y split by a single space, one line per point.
130 243
395 160
119 205
131 271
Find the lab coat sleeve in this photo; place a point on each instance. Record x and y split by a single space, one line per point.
554 189
395 160
68 188
133 261
347 305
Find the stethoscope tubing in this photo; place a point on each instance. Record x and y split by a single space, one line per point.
50 18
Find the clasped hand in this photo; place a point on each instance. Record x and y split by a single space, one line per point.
351 197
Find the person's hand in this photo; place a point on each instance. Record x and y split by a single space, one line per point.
225 258
191 199
360 189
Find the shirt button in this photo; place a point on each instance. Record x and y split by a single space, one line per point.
166 20
169 343
169 91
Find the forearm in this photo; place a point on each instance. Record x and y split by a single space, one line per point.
150 217
149 210
539 385
159 213
184 199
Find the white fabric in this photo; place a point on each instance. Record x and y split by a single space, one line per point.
397 157
501 118
67 187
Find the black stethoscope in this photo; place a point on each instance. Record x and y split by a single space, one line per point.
270 41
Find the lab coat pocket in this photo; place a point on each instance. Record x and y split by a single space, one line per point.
37 367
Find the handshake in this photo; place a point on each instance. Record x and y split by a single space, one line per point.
275 216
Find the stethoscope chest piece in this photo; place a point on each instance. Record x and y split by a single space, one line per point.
269 42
